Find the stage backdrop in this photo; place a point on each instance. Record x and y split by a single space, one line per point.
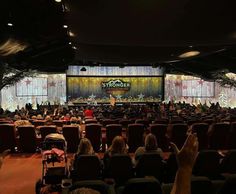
123 89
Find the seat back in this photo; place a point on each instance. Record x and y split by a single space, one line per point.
145 122
207 164
58 123
178 134
125 122
45 130
159 130
112 131
88 121
93 133
201 130
7 137
232 136
228 164
171 168
142 185
135 136
27 138
219 136
87 167
120 168
150 164
72 136
201 185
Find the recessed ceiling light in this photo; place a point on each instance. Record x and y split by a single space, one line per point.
10 24
58 1
65 26
189 54
71 34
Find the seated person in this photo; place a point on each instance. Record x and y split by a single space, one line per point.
118 146
150 146
85 148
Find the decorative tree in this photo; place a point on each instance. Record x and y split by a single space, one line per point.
9 76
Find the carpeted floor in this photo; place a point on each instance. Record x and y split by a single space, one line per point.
19 173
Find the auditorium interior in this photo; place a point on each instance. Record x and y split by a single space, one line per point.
117 97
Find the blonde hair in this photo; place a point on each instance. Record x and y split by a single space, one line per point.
118 145
151 142
85 147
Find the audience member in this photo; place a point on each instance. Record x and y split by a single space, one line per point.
150 146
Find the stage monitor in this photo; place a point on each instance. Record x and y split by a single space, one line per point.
122 89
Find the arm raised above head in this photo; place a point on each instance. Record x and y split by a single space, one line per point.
186 158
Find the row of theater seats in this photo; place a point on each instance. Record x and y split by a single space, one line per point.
146 181
150 185
221 136
120 168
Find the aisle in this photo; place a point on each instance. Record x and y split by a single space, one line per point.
19 173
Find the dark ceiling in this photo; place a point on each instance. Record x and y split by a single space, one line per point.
134 32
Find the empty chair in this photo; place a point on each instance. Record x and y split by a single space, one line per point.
141 186
135 136
27 138
208 164
45 130
119 167
218 135
72 136
228 164
7 137
93 133
112 131
87 167
159 130
177 133
97 185
150 164
201 129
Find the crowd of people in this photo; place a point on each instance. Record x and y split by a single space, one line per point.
75 115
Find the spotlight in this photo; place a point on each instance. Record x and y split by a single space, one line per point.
70 43
83 69
65 26
58 1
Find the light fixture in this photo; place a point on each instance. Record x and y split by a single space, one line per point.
71 34
65 26
83 69
74 47
58 1
189 54
10 24
70 43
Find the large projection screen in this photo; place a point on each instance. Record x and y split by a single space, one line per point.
123 89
